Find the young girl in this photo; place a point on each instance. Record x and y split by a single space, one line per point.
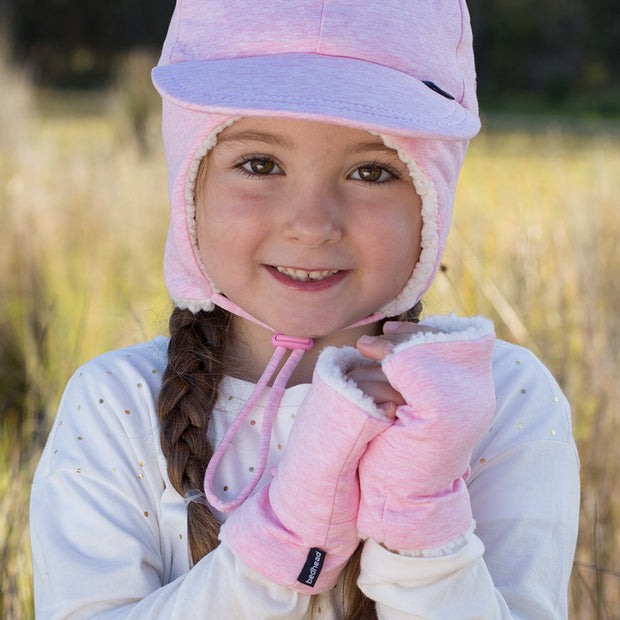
301 446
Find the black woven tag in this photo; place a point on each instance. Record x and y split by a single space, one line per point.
436 88
312 568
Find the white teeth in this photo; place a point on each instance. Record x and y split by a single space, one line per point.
305 276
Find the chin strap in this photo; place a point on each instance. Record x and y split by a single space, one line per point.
282 344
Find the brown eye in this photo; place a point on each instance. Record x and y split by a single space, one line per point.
262 166
259 166
372 173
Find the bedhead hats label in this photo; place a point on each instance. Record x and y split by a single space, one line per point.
401 68
364 64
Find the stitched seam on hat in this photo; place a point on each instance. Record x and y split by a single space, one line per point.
320 37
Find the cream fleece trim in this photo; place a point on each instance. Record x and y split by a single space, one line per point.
424 270
332 366
190 213
194 305
450 548
448 328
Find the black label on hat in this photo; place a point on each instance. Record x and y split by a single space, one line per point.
312 568
438 90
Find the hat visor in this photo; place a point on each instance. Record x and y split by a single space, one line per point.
348 91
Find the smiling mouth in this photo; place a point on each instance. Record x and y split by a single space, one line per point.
307 276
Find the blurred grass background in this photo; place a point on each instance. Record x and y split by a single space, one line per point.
83 209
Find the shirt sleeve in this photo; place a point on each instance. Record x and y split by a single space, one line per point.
100 545
524 489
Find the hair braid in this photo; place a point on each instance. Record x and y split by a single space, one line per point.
187 396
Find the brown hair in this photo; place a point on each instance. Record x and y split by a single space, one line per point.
189 392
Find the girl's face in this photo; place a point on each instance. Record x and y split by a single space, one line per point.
308 227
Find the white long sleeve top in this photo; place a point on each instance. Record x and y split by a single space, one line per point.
109 532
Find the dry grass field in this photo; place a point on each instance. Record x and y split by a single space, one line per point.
83 212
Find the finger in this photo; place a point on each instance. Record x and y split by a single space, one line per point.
368 372
372 381
381 393
389 410
374 347
406 327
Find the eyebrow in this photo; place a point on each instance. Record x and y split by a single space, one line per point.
372 146
278 140
254 136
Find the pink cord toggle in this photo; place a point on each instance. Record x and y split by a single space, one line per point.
292 342
282 343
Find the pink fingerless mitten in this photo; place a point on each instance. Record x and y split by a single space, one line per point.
300 530
412 475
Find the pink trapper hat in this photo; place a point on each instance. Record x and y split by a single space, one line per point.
402 69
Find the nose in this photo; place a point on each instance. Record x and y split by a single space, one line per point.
314 217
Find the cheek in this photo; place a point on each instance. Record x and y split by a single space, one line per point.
215 233
395 238
218 215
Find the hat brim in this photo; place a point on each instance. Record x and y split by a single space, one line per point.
316 87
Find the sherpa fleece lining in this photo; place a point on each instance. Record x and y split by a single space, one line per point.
450 328
332 366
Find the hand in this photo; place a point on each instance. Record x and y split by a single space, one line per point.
412 475
370 378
